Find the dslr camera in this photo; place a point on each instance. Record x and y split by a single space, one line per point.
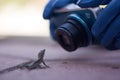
74 26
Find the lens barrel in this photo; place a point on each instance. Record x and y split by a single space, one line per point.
71 35
74 28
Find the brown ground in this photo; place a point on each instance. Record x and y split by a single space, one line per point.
91 63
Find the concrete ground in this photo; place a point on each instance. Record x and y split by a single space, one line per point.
90 63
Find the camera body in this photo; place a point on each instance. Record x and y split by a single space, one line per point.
73 27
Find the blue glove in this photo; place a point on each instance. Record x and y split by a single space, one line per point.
48 12
55 4
106 29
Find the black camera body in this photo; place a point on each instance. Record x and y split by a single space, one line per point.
74 27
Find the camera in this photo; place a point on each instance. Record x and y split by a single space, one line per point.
74 26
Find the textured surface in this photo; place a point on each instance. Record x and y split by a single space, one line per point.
91 63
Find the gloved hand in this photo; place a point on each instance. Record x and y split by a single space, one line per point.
106 29
48 11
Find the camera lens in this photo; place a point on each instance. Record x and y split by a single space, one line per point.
72 35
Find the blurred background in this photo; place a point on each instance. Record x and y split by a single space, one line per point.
23 33
22 18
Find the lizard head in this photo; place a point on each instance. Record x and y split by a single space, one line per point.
41 53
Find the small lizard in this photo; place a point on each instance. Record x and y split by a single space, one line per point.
37 63
32 64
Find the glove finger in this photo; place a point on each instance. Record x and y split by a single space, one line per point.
55 4
117 43
91 3
52 30
104 19
105 2
111 33
62 3
49 9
